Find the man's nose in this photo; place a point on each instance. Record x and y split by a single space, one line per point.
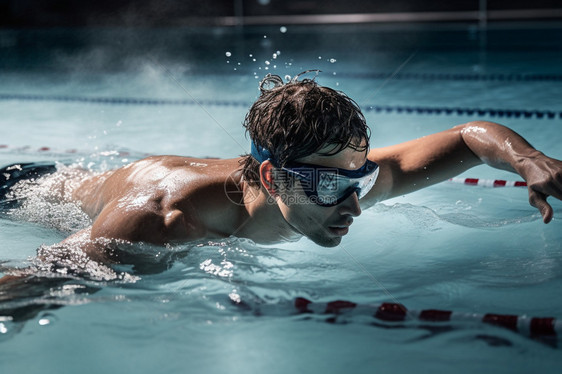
350 206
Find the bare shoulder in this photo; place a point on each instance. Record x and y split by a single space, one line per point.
163 198
147 222
156 167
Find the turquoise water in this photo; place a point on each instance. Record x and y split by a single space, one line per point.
75 96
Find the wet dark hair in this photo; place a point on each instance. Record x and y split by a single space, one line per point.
296 119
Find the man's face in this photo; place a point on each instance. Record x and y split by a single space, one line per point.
323 225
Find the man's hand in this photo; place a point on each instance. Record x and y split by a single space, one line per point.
544 178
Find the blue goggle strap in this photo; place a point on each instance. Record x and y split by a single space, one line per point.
261 154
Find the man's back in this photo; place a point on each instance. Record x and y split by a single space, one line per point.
161 199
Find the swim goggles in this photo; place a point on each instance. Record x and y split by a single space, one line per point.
328 186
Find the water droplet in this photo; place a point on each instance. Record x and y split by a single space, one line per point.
228 54
332 60
251 55
265 36
320 57
283 29
274 56
267 62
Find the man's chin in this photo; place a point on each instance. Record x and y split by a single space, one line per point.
327 241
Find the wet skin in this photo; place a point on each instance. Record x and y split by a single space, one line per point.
167 199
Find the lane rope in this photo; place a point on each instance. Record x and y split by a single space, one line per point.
394 312
72 151
390 109
498 77
488 182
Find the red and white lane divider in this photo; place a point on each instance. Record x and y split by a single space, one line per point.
488 182
394 312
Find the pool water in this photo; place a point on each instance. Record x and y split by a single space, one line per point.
104 97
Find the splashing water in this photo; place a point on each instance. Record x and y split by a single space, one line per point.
47 200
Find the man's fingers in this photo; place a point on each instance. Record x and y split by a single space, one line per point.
538 200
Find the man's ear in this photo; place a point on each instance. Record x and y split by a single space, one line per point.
266 177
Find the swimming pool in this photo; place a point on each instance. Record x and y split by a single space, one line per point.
104 97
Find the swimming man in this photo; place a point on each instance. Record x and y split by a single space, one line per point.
310 173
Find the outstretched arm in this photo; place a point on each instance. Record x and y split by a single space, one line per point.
431 159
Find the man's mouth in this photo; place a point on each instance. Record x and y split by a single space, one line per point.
339 230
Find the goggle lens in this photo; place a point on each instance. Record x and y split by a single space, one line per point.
331 186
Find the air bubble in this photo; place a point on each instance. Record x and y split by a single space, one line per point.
228 54
283 29
332 60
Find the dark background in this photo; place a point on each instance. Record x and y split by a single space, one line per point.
56 13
